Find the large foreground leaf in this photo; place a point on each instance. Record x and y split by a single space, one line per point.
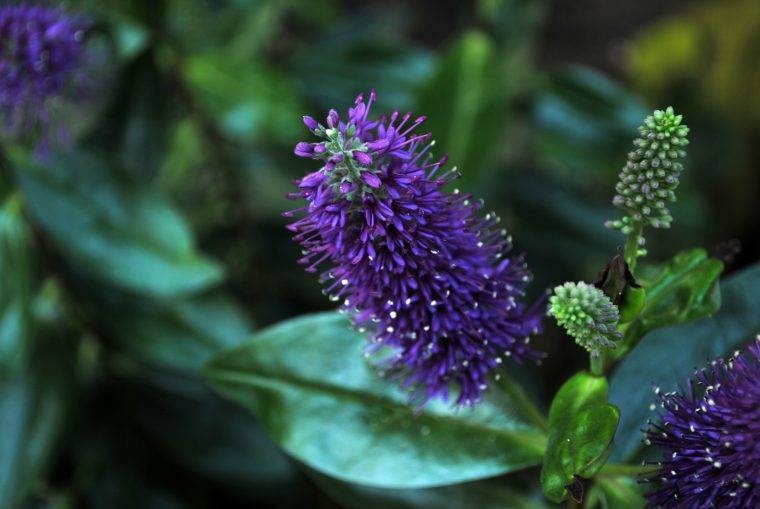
322 402
128 238
667 357
486 494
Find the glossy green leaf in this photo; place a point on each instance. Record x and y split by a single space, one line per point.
486 494
16 277
683 289
120 235
581 429
668 356
307 381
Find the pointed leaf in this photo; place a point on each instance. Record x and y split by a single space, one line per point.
15 286
683 289
307 381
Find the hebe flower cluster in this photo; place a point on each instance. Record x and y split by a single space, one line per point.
587 314
40 50
649 178
414 265
710 437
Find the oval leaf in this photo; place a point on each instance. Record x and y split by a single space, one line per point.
323 403
134 240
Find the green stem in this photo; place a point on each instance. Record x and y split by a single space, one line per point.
632 245
597 363
616 470
522 401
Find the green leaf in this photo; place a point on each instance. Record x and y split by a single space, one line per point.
180 334
34 405
581 428
683 289
668 356
465 104
123 236
16 279
247 100
487 494
307 381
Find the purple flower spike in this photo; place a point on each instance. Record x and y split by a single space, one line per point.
40 51
710 437
417 268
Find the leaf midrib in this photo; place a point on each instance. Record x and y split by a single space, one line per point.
537 442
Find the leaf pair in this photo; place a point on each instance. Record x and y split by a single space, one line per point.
581 428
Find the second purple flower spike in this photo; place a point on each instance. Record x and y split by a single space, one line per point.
710 436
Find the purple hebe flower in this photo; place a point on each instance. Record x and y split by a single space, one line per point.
414 265
40 50
710 437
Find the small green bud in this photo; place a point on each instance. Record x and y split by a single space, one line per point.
650 177
587 314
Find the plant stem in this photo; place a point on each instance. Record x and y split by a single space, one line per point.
597 363
522 401
632 245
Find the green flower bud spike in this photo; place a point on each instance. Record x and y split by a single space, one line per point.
588 315
649 179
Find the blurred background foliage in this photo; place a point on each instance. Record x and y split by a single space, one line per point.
158 241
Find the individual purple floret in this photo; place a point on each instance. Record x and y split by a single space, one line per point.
414 265
40 51
710 437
